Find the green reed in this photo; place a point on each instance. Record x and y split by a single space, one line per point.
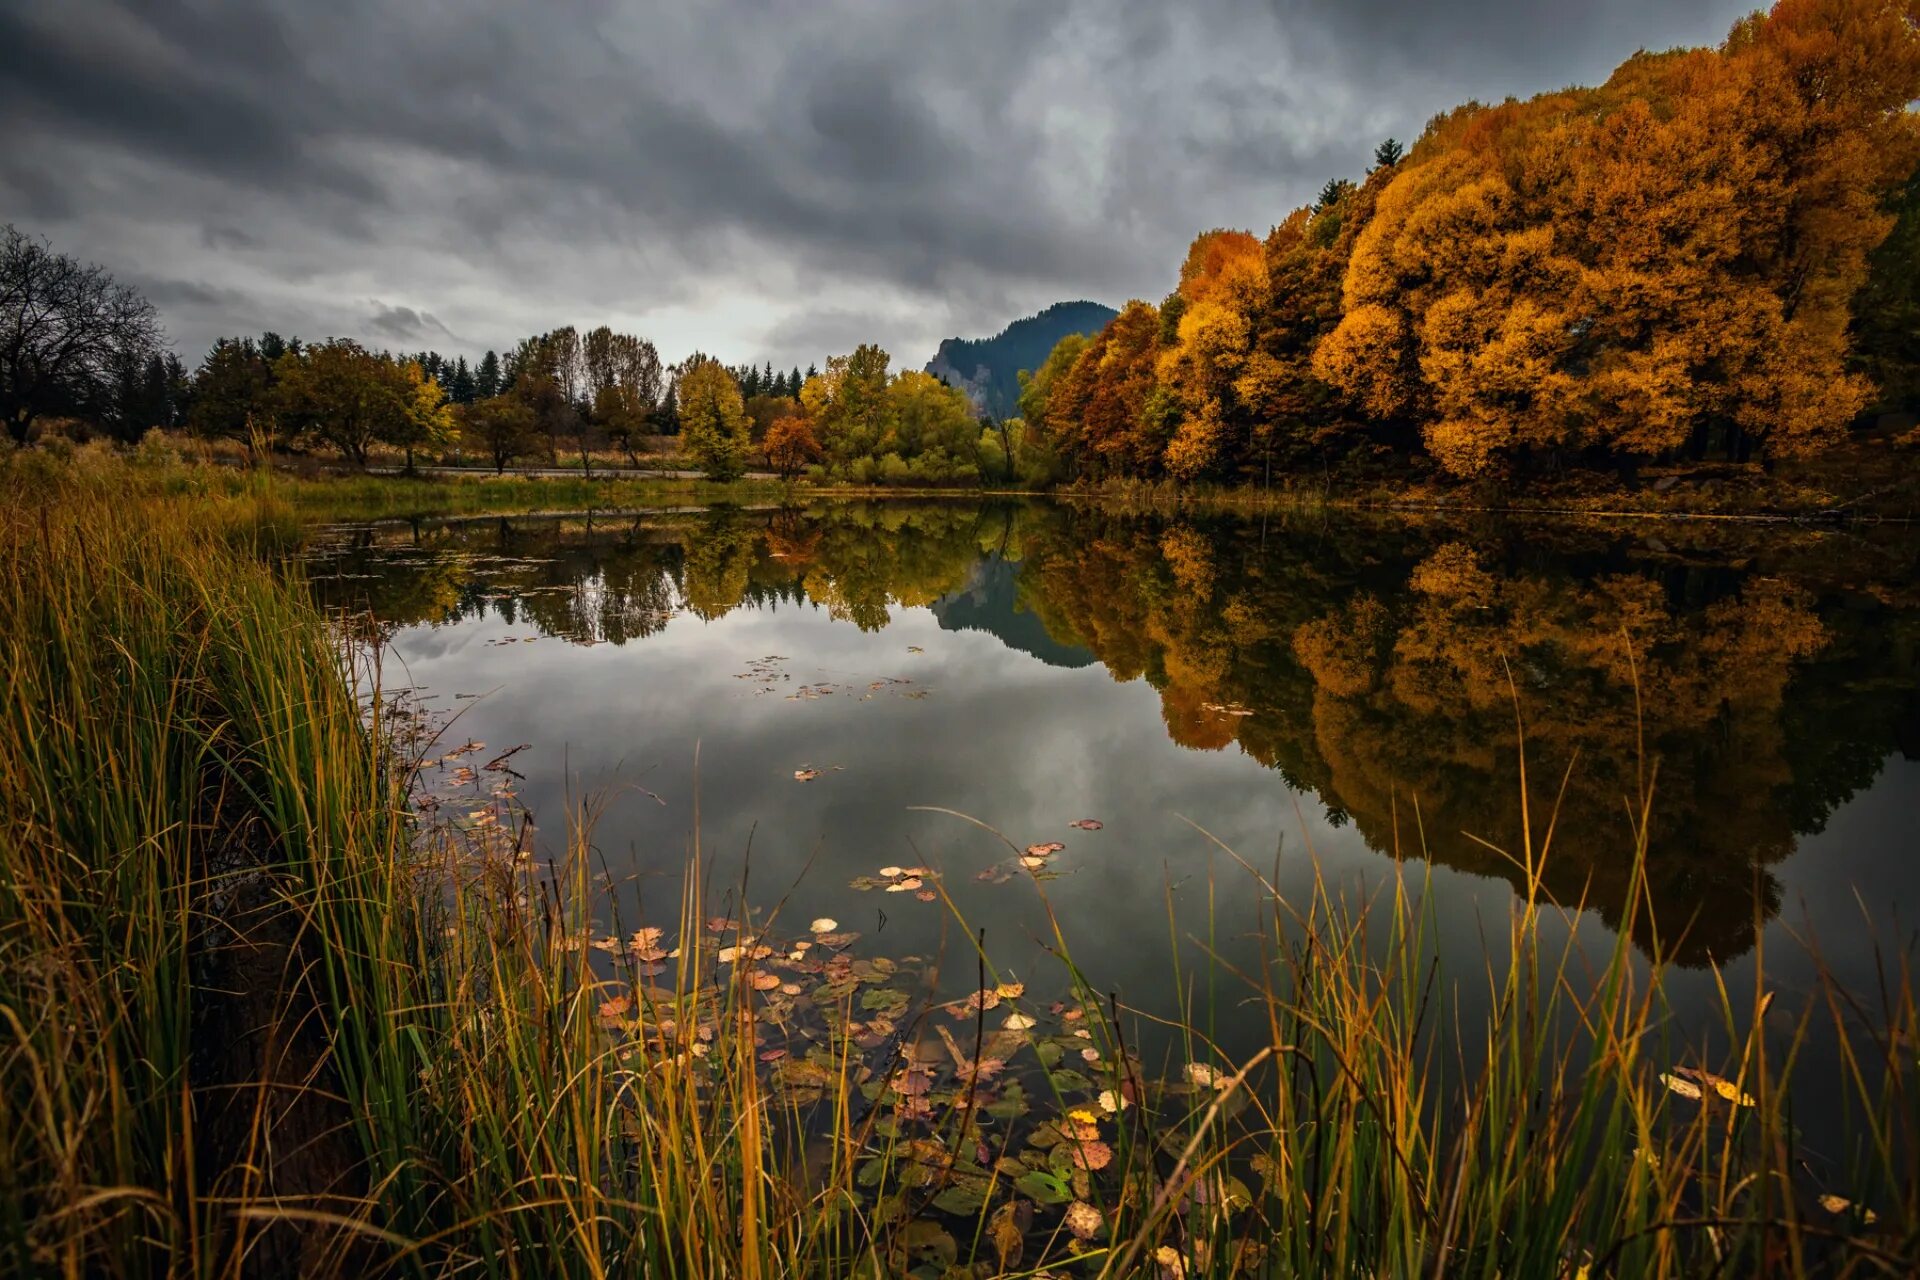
258 1016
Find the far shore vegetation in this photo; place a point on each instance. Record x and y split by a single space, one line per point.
1702 276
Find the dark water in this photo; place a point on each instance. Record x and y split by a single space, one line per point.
1341 695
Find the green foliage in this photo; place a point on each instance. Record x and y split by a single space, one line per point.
713 420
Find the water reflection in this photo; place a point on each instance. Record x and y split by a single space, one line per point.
1755 679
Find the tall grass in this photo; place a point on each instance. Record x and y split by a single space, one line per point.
260 1015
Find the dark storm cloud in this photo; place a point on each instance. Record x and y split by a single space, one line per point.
746 177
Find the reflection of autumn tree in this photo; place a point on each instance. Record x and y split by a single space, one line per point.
1383 683
719 560
866 557
1418 702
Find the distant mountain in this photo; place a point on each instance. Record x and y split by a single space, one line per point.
988 369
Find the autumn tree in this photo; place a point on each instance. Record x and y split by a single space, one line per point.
1098 414
713 420
502 425
791 446
426 416
339 394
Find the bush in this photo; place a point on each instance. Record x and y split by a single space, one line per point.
893 469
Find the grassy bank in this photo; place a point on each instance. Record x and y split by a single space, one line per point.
287 985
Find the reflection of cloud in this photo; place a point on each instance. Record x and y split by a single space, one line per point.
1001 736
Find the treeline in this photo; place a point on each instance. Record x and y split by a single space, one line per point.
554 392
857 422
1692 261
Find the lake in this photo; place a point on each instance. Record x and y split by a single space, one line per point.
797 690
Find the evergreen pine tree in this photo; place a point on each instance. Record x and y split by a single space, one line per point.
486 383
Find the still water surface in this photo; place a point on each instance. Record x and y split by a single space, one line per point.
1335 695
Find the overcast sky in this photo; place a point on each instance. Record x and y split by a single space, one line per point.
762 180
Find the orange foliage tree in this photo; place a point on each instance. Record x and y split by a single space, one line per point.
1663 267
790 445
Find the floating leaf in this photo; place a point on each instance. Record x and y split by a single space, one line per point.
1091 1156
1171 1267
1083 1220
1048 849
825 924
1205 1076
905 886
764 981
1085 824
616 1008
1113 1103
893 873
805 775
1685 1088
1841 1205
963 1199
1047 1188
1726 1088
1018 1022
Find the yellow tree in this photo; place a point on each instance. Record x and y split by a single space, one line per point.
713 421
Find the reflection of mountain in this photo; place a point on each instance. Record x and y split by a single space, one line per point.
987 603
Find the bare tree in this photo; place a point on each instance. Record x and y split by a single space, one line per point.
66 327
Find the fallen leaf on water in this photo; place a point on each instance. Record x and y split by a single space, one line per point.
1032 862
914 648
1113 1103
1171 1268
825 924
1006 1229
927 895
805 775
764 981
905 886
1010 990
891 872
1719 1084
616 1007
1045 850
1201 1074
1685 1088
1085 824
1018 1022
1840 1205
1083 1220
772 1055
